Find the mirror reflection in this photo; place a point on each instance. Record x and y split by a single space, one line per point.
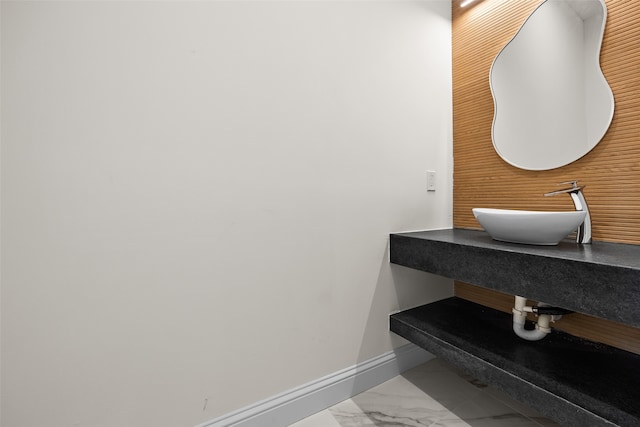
552 102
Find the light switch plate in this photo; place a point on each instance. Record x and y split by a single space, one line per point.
431 181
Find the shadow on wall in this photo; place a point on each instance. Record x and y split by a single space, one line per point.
396 288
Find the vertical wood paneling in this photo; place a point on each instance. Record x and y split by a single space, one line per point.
611 171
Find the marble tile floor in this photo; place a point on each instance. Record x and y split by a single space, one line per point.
434 394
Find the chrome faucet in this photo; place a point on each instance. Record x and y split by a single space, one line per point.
583 234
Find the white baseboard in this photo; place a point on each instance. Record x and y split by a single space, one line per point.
293 405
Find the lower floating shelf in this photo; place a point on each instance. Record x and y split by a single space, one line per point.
571 380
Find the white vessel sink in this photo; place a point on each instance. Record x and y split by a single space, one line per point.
529 227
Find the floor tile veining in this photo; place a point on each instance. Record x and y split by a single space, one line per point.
434 394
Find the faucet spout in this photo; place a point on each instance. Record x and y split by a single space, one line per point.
583 234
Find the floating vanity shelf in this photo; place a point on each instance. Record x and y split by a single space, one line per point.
571 380
601 279
574 381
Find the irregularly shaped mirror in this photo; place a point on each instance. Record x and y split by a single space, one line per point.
552 102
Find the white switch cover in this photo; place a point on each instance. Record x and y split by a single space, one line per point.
431 180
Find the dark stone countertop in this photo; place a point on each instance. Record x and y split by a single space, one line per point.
601 279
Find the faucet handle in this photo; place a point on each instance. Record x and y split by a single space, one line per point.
574 183
574 187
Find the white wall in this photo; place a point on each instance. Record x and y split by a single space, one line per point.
197 196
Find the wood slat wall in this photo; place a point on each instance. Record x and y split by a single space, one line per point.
611 171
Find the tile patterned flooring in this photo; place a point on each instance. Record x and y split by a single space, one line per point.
434 394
